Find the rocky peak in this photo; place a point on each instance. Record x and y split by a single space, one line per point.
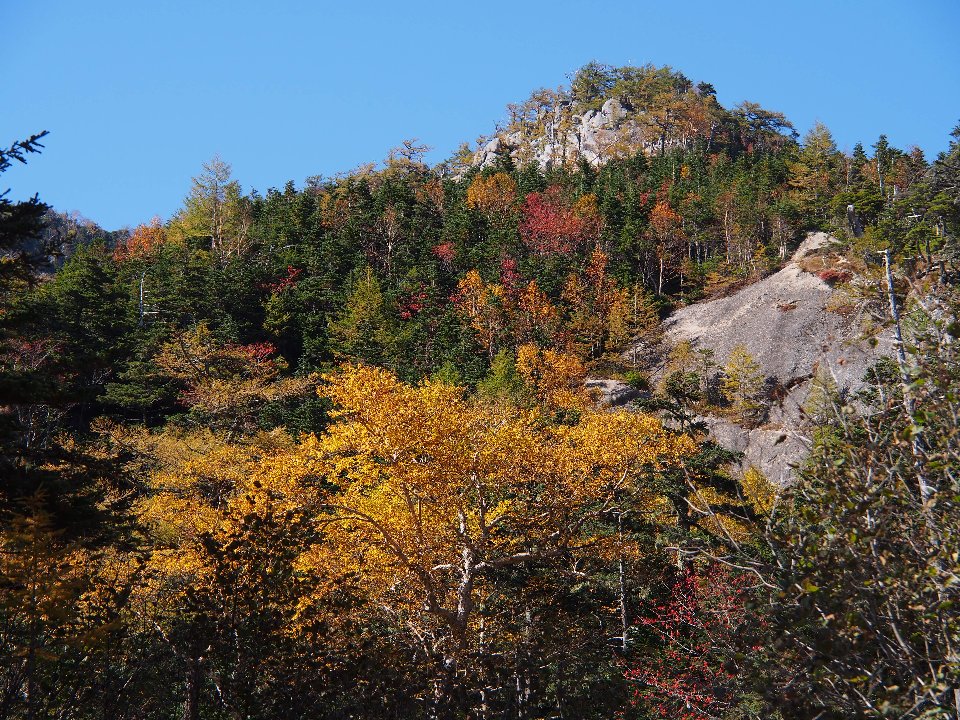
565 138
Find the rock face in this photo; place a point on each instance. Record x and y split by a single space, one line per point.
62 234
594 136
611 392
785 323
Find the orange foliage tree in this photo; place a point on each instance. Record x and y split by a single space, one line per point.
669 239
142 241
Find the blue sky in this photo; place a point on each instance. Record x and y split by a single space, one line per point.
136 95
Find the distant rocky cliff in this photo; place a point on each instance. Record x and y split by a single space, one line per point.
62 234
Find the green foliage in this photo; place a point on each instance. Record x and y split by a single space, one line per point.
364 330
743 384
133 378
20 222
503 381
866 567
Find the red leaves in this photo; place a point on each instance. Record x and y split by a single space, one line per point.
287 282
510 278
700 619
550 225
832 276
445 252
412 304
256 352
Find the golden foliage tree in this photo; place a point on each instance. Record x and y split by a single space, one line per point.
224 526
554 378
215 210
493 196
601 321
480 303
438 493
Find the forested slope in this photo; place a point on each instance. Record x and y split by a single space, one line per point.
328 451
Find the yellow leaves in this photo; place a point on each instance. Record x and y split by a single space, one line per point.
428 478
55 594
432 193
556 379
532 314
588 211
728 526
586 206
174 520
615 452
759 492
492 194
479 302
600 311
536 304
334 208
497 312
200 489
420 435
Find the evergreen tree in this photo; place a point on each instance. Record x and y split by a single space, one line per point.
743 384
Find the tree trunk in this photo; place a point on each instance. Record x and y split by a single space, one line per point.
908 403
191 700
623 584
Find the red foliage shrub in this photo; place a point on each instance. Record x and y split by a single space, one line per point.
696 627
832 276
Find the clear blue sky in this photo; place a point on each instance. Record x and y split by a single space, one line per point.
137 94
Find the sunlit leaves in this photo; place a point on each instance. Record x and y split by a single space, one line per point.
436 490
552 225
225 382
143 240
492 195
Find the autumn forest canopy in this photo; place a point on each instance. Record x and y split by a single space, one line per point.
337 451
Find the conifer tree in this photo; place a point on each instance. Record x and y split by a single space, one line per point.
364 331
743 383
